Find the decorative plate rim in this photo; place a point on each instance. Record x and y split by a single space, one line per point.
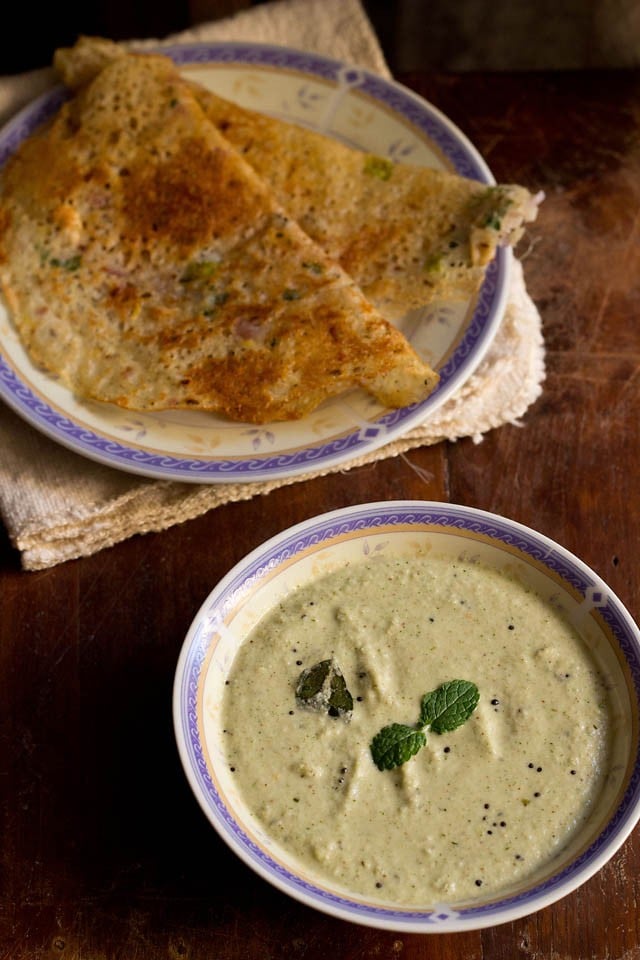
313 455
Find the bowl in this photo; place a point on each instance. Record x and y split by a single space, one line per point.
360 534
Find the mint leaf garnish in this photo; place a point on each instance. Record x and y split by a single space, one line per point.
396 744
441 711
449 706
323 688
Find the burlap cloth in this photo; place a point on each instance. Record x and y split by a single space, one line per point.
57 505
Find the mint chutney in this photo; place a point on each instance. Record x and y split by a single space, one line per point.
477 810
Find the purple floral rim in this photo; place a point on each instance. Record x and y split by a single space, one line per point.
461 363
318 533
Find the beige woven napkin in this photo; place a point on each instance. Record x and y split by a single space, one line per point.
57 505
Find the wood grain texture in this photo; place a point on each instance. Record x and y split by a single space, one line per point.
105 853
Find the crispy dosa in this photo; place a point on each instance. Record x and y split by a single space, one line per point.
148 265
406 234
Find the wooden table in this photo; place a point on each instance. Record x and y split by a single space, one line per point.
105 853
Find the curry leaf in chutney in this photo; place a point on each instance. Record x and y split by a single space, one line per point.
323 688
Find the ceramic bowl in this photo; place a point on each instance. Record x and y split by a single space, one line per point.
323 543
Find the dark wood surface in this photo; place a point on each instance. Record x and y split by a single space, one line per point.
104 851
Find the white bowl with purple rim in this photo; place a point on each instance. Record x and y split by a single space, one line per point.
326 542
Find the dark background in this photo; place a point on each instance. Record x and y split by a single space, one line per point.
414 34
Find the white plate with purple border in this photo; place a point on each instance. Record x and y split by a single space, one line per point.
326 542
364 110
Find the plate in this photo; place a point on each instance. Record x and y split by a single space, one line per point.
363 110
297 556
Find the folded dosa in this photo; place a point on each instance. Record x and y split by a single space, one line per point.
407 234
147 264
